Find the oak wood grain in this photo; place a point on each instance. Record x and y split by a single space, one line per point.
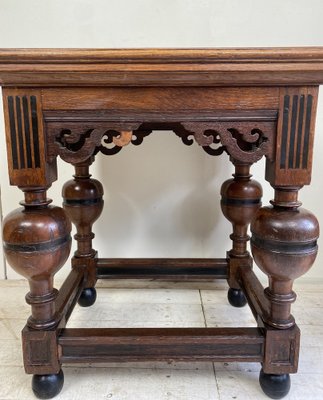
161 67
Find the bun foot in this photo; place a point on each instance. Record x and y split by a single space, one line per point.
47 386
274 386
87 298
236 298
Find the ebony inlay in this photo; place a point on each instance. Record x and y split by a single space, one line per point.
239 202
25 107
286 247
296 131
82 202
13 133
293 132
36 247
20 133
300 132
307 130
34 118
22 119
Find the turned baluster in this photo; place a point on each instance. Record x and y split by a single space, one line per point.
284 246
83 203
241 198
37 243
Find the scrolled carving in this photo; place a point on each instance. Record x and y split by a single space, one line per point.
186 136
138 135
214 151
108 139
79 142
120 140
198 131
244 141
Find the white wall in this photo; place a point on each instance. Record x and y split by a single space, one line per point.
162 198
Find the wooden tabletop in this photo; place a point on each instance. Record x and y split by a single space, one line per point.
162 67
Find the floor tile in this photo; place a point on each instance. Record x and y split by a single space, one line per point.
140 313
214 297
118 384
219 315
90 323
161 304
17 306
17 384
140 384
10 329
149 296
11 353
245 386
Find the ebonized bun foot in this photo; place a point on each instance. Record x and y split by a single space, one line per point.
236 297
87 298
47 386
274 386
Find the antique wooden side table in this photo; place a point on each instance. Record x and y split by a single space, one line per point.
247 103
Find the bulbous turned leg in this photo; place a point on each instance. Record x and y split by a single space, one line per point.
240 200
47 386
284 246
83 203
274 386
37 243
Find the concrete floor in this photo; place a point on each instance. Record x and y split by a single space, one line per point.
161 304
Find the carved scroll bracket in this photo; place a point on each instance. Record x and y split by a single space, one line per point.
78 142
246 141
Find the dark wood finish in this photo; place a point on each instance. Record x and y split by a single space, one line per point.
25 136
83 204
181 344
162 268
240 200
37 243
40 351
284 246
158 100
295 134
254 292
68 294
161 67
282 350
244 103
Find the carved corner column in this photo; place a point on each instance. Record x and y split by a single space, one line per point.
37 243
36 236
240 200
83 203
